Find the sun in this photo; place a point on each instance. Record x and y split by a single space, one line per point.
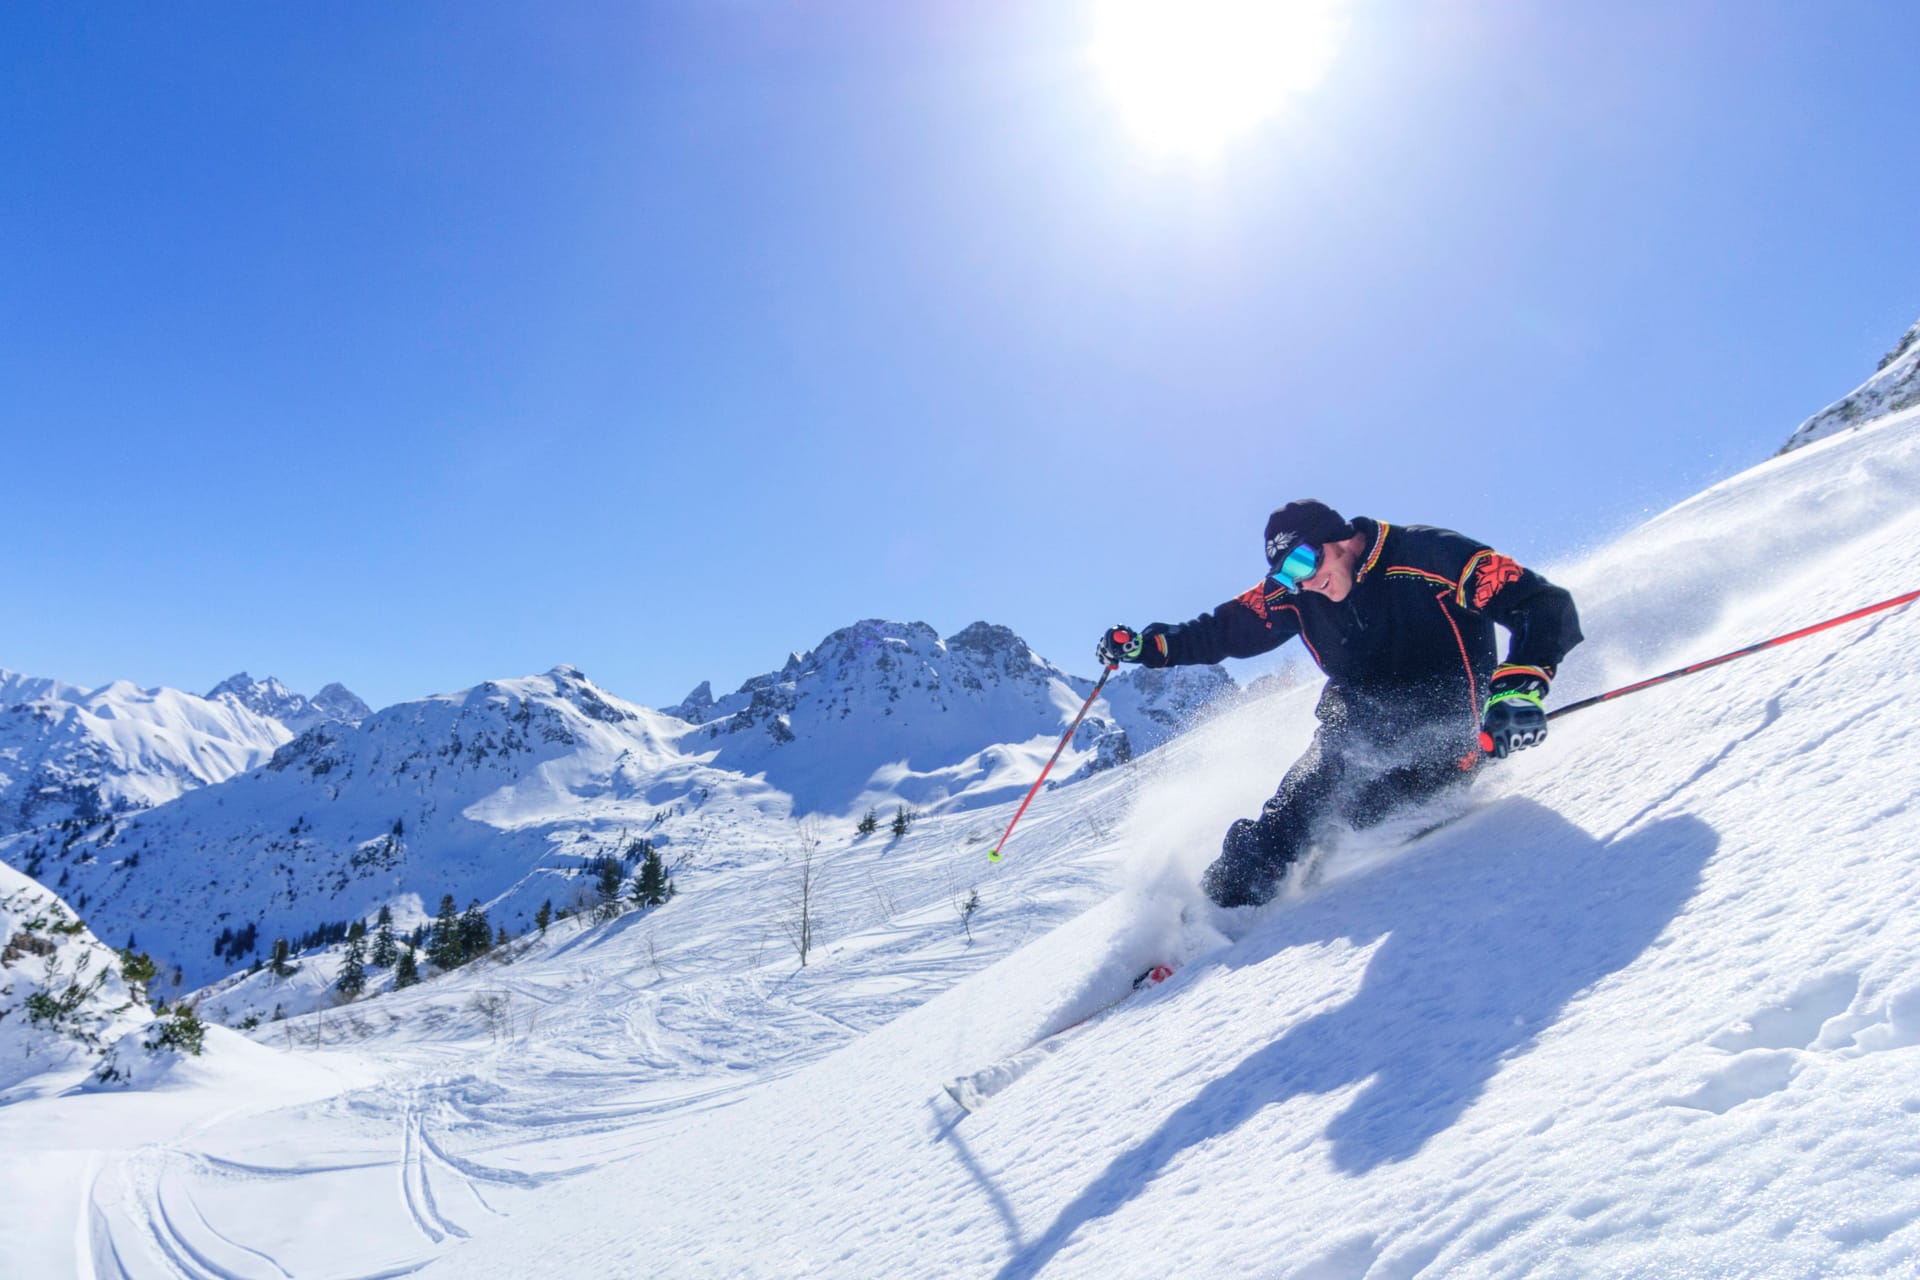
1192 76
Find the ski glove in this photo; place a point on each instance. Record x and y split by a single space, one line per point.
1119 643
1513 718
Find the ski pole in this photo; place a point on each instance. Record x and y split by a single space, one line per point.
1120 636
1486 740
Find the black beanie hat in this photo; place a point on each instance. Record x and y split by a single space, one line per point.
1308 520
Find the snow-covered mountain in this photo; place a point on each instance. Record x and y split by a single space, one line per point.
1894 387
881 711
503 792
333 704
1151 707
16 688
489 793
68 753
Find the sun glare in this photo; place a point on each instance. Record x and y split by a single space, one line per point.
1191 76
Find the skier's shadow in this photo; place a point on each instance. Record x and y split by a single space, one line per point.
1490 930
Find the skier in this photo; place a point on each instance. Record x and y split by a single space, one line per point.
1401 619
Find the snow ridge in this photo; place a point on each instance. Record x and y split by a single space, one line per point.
69 754
1895 386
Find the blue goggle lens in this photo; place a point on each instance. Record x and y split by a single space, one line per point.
1300 564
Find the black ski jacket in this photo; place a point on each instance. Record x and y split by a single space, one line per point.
1411 648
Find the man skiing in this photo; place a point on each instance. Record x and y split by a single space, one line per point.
1401 619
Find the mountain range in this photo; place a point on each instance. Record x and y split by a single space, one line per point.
184 823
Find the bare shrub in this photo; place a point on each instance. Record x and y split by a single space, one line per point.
495 1008
800 920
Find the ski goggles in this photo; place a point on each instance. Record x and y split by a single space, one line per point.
1297 566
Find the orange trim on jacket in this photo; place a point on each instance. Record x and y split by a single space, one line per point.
1408 571
1379 545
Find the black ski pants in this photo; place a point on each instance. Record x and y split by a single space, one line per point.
1343 777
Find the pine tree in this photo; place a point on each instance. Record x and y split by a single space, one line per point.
443 940
137 967
280 965
544 916
407 971
183 1031
869 824
476 933
650 886
353 969
607 878
385 949
386 915
901 821
607 881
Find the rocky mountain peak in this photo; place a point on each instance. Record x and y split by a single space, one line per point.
270 698
999 649
1895 386
341 704
695 708
256 694
987 637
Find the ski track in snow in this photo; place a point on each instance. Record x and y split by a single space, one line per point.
1648 1008
562 1080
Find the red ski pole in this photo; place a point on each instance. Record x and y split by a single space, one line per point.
1120 637
1486 741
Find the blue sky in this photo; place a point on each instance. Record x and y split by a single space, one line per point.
413 345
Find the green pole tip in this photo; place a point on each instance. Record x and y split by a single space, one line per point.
993 855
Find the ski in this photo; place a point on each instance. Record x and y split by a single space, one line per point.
1303 880
972 1091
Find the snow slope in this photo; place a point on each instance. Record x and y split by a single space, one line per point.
1650 1008
63 999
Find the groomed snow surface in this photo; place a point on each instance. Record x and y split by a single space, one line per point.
1651 1007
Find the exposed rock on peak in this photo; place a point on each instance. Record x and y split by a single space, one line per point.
340 704
888 709
697 705
1894 386
299 713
